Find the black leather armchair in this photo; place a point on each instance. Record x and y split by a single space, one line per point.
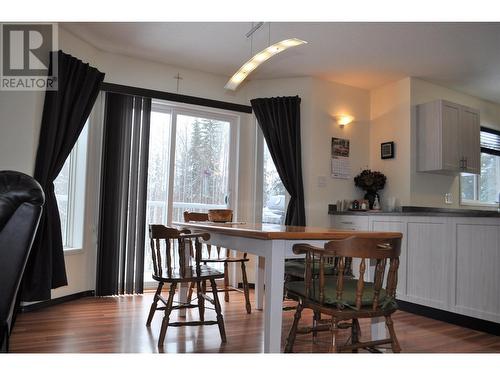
21 201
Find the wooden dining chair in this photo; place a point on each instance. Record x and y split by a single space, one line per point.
295 270
224 257
172 265
344 298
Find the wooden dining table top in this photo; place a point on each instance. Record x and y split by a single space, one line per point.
281 232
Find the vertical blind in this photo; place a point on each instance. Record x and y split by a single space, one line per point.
120 258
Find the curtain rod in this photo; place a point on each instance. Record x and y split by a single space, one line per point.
155 94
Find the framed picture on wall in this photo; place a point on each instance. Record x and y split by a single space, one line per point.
387 150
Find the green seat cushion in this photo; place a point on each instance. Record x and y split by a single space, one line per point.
348 296
297 268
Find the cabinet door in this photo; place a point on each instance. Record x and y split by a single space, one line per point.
469 140
450 132
429 257
478 270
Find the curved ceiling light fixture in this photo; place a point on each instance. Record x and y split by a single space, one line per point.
259 58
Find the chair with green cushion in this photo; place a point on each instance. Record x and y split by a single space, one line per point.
344 298
297 267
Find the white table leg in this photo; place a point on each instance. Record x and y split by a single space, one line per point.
234 272
378 329
273 312
183 289
259 283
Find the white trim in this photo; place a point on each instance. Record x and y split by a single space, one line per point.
73 250
158 103
259 173
468 202
171 166
234 120
77 178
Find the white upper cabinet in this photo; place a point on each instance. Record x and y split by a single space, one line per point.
448 138
470 130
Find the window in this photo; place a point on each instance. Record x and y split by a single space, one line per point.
69 188
485 188
274 193
271 196
191 166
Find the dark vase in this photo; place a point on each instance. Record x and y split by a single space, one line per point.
370 195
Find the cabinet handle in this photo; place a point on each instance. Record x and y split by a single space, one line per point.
462 163
346 222
465 160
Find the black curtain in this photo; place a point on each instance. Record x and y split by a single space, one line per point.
120 256
279 119
65 112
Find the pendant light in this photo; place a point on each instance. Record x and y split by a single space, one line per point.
260 57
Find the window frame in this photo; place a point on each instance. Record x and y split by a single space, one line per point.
75 216
234 120
174 109
476 202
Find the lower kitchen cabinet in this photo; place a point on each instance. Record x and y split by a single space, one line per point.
429 262
449 263
477 289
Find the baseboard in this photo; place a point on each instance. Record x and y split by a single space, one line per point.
250 285
450 317
57 301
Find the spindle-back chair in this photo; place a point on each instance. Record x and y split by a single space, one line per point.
173 265
347 299
225 257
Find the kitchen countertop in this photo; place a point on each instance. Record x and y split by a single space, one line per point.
421 211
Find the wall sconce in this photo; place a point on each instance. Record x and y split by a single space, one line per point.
343 120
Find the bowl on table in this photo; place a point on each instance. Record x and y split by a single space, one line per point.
220 215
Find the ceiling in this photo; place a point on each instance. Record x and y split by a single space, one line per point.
463 56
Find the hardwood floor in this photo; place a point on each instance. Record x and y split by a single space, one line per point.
117 325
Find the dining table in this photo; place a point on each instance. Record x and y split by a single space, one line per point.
272 244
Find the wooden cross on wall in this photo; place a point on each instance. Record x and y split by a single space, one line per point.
178 78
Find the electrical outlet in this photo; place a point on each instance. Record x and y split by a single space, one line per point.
448 198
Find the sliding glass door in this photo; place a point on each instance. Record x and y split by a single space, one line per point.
201 173
192 164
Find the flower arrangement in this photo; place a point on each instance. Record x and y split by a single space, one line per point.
371 182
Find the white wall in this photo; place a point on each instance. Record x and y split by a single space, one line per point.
20 114
429 189
330 99
393 117
321 101
390 121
